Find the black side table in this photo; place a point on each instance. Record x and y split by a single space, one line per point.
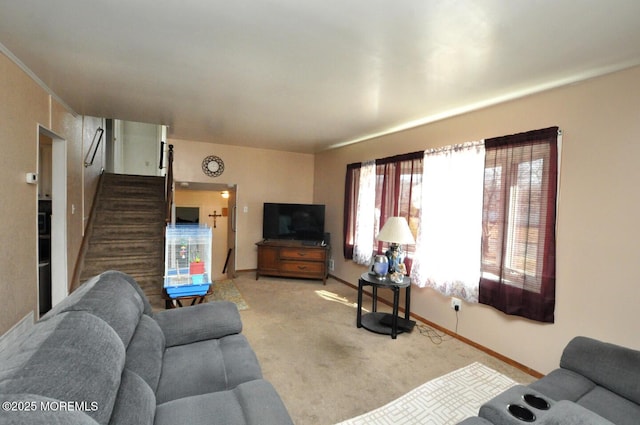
384 323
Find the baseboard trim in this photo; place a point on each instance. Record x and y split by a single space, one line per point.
467 341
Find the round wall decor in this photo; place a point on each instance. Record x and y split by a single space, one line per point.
212 166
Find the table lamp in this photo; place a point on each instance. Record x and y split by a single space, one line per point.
396 231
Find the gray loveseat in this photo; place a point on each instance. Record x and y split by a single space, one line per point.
102 356
596 383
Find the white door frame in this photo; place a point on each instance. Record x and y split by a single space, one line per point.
59 272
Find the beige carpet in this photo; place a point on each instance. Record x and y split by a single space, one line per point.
446 400
326 369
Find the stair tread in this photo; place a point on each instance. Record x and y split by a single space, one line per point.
133 255
119 241
131 269
124 204
132 226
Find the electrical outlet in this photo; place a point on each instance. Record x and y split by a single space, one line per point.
331 265
456 303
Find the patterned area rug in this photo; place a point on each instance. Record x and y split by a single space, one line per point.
226 290
448 399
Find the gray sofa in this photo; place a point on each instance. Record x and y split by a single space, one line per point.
102 356
596 383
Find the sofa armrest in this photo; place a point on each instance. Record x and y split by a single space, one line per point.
608 365
199 322
505 408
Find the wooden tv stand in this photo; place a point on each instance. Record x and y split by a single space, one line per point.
287 258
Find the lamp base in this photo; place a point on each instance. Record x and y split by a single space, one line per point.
395 255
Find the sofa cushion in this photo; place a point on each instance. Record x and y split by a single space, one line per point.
611 406
135 403
199 322
108 296
563 384
252 403
207 366
608 365
145 352
72 357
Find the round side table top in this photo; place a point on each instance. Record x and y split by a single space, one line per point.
386 282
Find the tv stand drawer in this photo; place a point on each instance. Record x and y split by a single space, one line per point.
308 254
307 267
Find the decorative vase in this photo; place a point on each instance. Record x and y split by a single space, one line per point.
380 266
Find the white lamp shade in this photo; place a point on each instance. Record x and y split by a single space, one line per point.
396 230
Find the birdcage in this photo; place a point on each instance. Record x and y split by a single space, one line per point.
187 260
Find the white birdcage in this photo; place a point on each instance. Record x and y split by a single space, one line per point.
187 263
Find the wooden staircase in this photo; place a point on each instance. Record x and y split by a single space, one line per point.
126 232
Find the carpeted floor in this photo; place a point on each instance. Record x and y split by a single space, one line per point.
325 369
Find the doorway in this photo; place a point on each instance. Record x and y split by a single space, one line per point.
52 188
134 147
212 204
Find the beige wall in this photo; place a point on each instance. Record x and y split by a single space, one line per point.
25 106
261 175
598 238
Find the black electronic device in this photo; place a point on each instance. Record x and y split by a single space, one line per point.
302 222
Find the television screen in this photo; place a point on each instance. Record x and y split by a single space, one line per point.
293 221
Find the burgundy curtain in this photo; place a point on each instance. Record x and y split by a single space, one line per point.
397 194
352 182
518 228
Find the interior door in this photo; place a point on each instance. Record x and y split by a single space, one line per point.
231 234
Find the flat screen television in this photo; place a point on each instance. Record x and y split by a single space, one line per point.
304 222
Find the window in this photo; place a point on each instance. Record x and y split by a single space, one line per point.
448 244
488 216
518 224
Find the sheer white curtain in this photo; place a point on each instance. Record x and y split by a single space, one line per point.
363 242
448 252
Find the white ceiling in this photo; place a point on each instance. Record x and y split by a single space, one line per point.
306 75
